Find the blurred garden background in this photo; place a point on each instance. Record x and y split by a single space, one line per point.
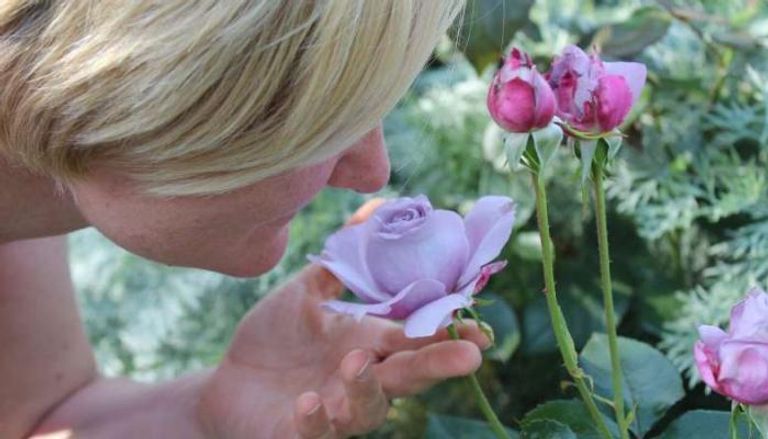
688 219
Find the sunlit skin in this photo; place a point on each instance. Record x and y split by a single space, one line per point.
292 370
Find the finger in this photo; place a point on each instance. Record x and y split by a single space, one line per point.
409 372
311 419
365 211
320 282
394 339
366 402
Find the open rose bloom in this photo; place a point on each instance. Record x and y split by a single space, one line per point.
411 262
735 363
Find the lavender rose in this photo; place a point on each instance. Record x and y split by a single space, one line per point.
411 262
735 364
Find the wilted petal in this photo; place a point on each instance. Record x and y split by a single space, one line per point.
431 317
488 225
634 73
486 272
564 92
614 100
437 250
572 59
343 256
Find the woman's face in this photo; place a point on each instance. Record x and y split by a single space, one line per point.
241 233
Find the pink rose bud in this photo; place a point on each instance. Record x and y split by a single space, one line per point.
735 364
594 96
520 99
411 262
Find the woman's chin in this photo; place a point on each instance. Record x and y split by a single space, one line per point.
258 258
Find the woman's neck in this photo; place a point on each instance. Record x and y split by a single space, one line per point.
32 207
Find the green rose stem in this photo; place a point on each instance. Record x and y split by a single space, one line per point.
559 326
482 401
610 317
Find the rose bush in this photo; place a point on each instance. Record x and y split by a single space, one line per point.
419 264
735 363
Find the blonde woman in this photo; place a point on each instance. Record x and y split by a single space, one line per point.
191 132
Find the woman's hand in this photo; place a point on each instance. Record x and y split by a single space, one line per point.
295 370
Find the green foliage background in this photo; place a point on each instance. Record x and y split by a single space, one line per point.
688 226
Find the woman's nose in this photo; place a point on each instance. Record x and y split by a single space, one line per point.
364 167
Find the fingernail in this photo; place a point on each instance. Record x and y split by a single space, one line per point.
365 372
314 409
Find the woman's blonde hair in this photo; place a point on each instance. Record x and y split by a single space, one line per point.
201 97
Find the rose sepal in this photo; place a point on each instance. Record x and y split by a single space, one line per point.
533 150
596 154
759 416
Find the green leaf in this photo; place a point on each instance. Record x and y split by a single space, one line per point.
703 424
625 40
527 245
651 383
547 429
503 320
451 427
570 413
487 27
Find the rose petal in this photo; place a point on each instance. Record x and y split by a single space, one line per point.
545 101
356 310
343 256
634 73
744 372
402 305
437 250
429 318
614 100
418 208
512 105
749 317
712 336
414 296
488 226
707 365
